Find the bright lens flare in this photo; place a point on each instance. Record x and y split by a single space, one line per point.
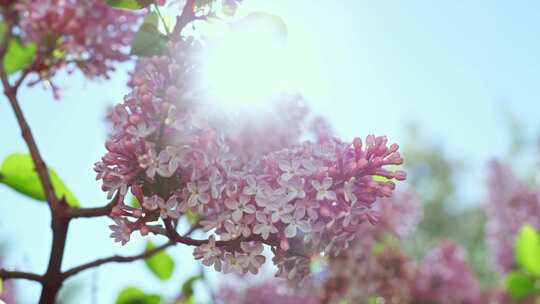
247 65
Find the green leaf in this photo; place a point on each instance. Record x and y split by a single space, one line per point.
192 216
379 178
1 286
187 287
149 41
528 250
519 285
378 248
130 4
135 202
161 264
373 300
18 55
18 172
133 295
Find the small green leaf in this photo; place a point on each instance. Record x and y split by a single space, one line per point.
373 300
378 248
187 287
192 216
135 202
519 285
379 178
149 41
133 295
1 286
18 172
161 264
528 250
130 4
18 55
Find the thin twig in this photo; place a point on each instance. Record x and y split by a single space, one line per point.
115 259
71 212
7 275
156 7
188 15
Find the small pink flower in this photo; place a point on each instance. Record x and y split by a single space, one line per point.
239 207
322 189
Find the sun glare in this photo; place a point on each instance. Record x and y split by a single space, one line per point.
247 65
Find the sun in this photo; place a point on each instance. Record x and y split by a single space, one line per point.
246 66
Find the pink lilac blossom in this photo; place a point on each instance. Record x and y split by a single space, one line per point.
290 195
374 265
511 203
445 277
268 292
89 35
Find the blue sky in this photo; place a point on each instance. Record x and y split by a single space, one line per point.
452 68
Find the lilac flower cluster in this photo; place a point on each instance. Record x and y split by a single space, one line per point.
89 34
375 268
374 265
267 292
511 203
301 199
445 277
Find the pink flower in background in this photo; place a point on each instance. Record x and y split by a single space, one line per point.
444 276
269 292
511 204
374 265
89 35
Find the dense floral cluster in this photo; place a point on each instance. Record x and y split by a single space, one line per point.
375 266
511 203
89 34
301 199
268 292
445 277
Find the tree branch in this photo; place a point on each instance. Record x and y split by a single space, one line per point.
71 212
188 15
7 275
115 259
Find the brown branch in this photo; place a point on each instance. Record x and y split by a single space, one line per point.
188 15
7 275
52 279
71 212
19 81
123 259
115 259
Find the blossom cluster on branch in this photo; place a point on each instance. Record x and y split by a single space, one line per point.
511 204
266 292
88 35
299 198
375 268
375 265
